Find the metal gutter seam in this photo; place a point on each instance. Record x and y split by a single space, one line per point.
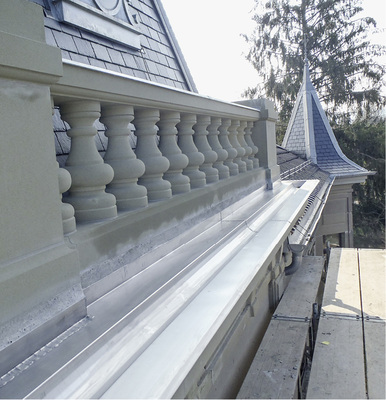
193 332
315 214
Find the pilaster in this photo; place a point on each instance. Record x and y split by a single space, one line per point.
36 266
264 135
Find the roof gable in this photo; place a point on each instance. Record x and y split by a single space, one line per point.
158 58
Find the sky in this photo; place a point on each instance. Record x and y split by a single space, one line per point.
209 35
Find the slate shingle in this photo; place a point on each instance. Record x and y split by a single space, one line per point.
140 74
70 30
52 23
112 67
50 38
79 58
116 57
129 60
65 41
66 55
97 63
152 67
84 47
101 52
126 71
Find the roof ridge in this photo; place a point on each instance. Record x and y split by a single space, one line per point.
296 169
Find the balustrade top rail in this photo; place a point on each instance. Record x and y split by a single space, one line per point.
93 83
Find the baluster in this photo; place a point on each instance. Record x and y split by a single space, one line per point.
244 145
147 151
89 173
200 138
186 144
214 142
68 212
248 139
235 143
169 148
120 156
232 152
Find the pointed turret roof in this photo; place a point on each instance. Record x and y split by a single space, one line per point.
310 135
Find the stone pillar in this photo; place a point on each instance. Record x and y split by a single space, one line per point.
169 148
186 144
253 156
214 142
264 136
147 150
232 152
120 156
89 173
201 141
40 291
248 150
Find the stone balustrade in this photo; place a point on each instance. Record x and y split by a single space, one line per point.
143 169
183 142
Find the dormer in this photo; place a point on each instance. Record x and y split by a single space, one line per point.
110 18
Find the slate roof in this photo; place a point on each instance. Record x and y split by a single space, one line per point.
294 167
309 134
159 60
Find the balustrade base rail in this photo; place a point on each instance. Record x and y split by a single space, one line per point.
106 248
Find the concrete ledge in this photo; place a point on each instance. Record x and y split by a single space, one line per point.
49 309
106 248
24 53
193 321
275 372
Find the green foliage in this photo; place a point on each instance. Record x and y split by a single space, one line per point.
341 58
346 76
364 143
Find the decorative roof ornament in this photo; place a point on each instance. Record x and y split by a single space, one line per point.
310 135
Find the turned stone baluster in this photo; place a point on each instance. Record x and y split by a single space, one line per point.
244 145
235 143
200 138
89 173
120 156
68 212
147 151
248 139
186 144
169 148
232 152
214 142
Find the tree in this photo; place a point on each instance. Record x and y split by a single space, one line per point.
334 36
364 142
